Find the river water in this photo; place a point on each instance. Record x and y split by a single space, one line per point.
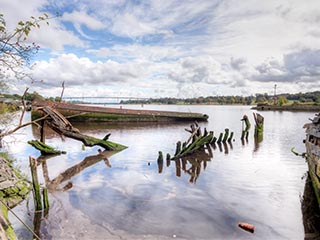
129 196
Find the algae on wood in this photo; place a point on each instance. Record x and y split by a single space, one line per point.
245 130
258 128
35 184
44 148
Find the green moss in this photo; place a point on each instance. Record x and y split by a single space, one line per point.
44 148
105 117
9 230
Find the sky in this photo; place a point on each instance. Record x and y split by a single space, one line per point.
171 48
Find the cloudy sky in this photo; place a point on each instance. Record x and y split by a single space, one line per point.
172 48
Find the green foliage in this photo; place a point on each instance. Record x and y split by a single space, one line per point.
282 100
243 100
31 96
15 51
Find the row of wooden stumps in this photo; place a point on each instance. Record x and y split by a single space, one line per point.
196 141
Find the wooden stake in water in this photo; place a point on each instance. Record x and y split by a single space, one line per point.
35 184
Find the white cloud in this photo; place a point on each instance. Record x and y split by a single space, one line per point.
198 47
83 18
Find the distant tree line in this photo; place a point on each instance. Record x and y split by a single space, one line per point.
285 98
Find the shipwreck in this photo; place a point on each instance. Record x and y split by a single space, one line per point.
87 113
312 155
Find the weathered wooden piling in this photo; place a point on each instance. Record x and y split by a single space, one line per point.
178 148
42 132
35 184
258 128
230 137
245 130
226 135
220 138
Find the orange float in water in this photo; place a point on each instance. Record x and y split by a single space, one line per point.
246 226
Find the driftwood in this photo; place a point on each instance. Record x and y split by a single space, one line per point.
62 126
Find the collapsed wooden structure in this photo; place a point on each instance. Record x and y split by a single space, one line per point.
197 141
62 126
197 151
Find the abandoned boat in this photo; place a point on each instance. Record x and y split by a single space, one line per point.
84 113
312 143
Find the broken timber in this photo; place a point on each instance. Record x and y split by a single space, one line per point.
81 113
61 125
44 148
198 141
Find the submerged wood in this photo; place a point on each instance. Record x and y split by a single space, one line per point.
62 126
197 143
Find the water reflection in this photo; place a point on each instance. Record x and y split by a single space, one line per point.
261 188
223 147
310 212
72 171
190 165
193 163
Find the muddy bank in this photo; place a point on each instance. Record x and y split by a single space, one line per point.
13 189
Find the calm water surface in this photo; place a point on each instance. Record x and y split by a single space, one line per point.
125 197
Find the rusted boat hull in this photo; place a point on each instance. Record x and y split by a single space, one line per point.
312 143
85 113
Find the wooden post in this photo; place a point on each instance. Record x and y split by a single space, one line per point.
230 138
226 135
245 131
220 138
35 184
178 148
42 132
258 128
